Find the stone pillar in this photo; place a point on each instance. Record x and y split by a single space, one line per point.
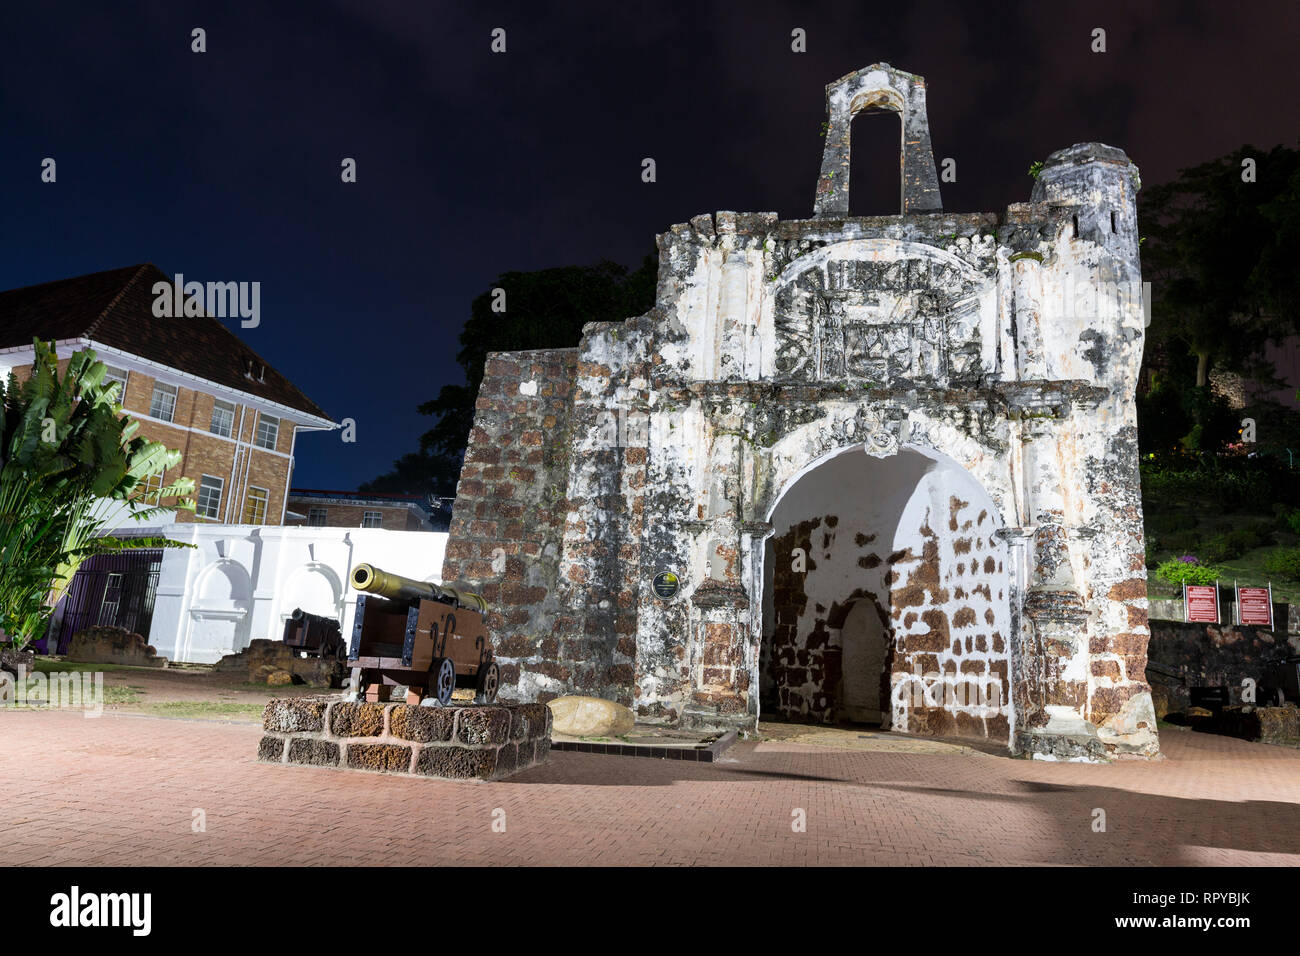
720 605
733 317
1027 302
1054 648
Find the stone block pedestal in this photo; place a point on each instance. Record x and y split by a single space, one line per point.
470 742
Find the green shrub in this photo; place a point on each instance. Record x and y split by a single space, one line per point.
1218 548
1263 530
1182 541
1176 571
1171 521
1292 520
1187 479
1284 563
1232 544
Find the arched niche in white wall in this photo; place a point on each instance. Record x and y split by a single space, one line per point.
314 587
220 615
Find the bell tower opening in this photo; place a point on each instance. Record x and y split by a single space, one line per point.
874 89
876 163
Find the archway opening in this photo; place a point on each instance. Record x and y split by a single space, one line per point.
876 163
867 642
886 599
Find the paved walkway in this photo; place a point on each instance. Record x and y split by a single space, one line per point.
126 790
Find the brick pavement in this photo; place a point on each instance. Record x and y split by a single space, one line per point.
122 790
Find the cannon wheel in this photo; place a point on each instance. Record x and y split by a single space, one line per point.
489 681
442 680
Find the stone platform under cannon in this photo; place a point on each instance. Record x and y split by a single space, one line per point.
467 742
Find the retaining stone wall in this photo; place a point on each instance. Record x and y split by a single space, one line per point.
507 526
483 742
1186 655
1172 610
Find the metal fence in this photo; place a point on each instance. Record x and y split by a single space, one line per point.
108 590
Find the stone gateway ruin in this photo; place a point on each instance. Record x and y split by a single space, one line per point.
846 469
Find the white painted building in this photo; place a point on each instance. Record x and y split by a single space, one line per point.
240 582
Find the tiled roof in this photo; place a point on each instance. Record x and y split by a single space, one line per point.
116 309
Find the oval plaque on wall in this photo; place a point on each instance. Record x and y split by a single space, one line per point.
666 584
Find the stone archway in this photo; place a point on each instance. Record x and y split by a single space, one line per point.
903 548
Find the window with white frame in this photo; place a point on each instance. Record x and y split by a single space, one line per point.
208 502
268 431
372 519
115 374
223 418
316 517
151 485
163 405
255 506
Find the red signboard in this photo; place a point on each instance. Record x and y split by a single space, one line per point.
1255 606
1201 602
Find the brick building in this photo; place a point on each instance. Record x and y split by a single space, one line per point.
189 381
313 508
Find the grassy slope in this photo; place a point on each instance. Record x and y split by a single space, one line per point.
1210 518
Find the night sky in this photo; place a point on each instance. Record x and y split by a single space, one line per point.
225 165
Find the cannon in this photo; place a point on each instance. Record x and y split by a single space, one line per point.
426 637
1281 681
319 636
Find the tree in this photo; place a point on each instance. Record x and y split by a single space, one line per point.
70 462
523 310
1219 250
415 473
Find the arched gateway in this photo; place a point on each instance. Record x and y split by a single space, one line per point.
886 597
840 454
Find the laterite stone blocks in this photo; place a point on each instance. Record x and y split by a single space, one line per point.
470 742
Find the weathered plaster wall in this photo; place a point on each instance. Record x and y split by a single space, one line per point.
1006 344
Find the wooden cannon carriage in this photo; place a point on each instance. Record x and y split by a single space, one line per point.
424 637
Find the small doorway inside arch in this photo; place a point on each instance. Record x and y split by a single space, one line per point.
865 642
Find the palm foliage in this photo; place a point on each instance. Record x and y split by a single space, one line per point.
70 463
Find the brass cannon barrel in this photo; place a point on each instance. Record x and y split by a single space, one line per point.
372 580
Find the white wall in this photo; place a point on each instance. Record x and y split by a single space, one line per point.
241 582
